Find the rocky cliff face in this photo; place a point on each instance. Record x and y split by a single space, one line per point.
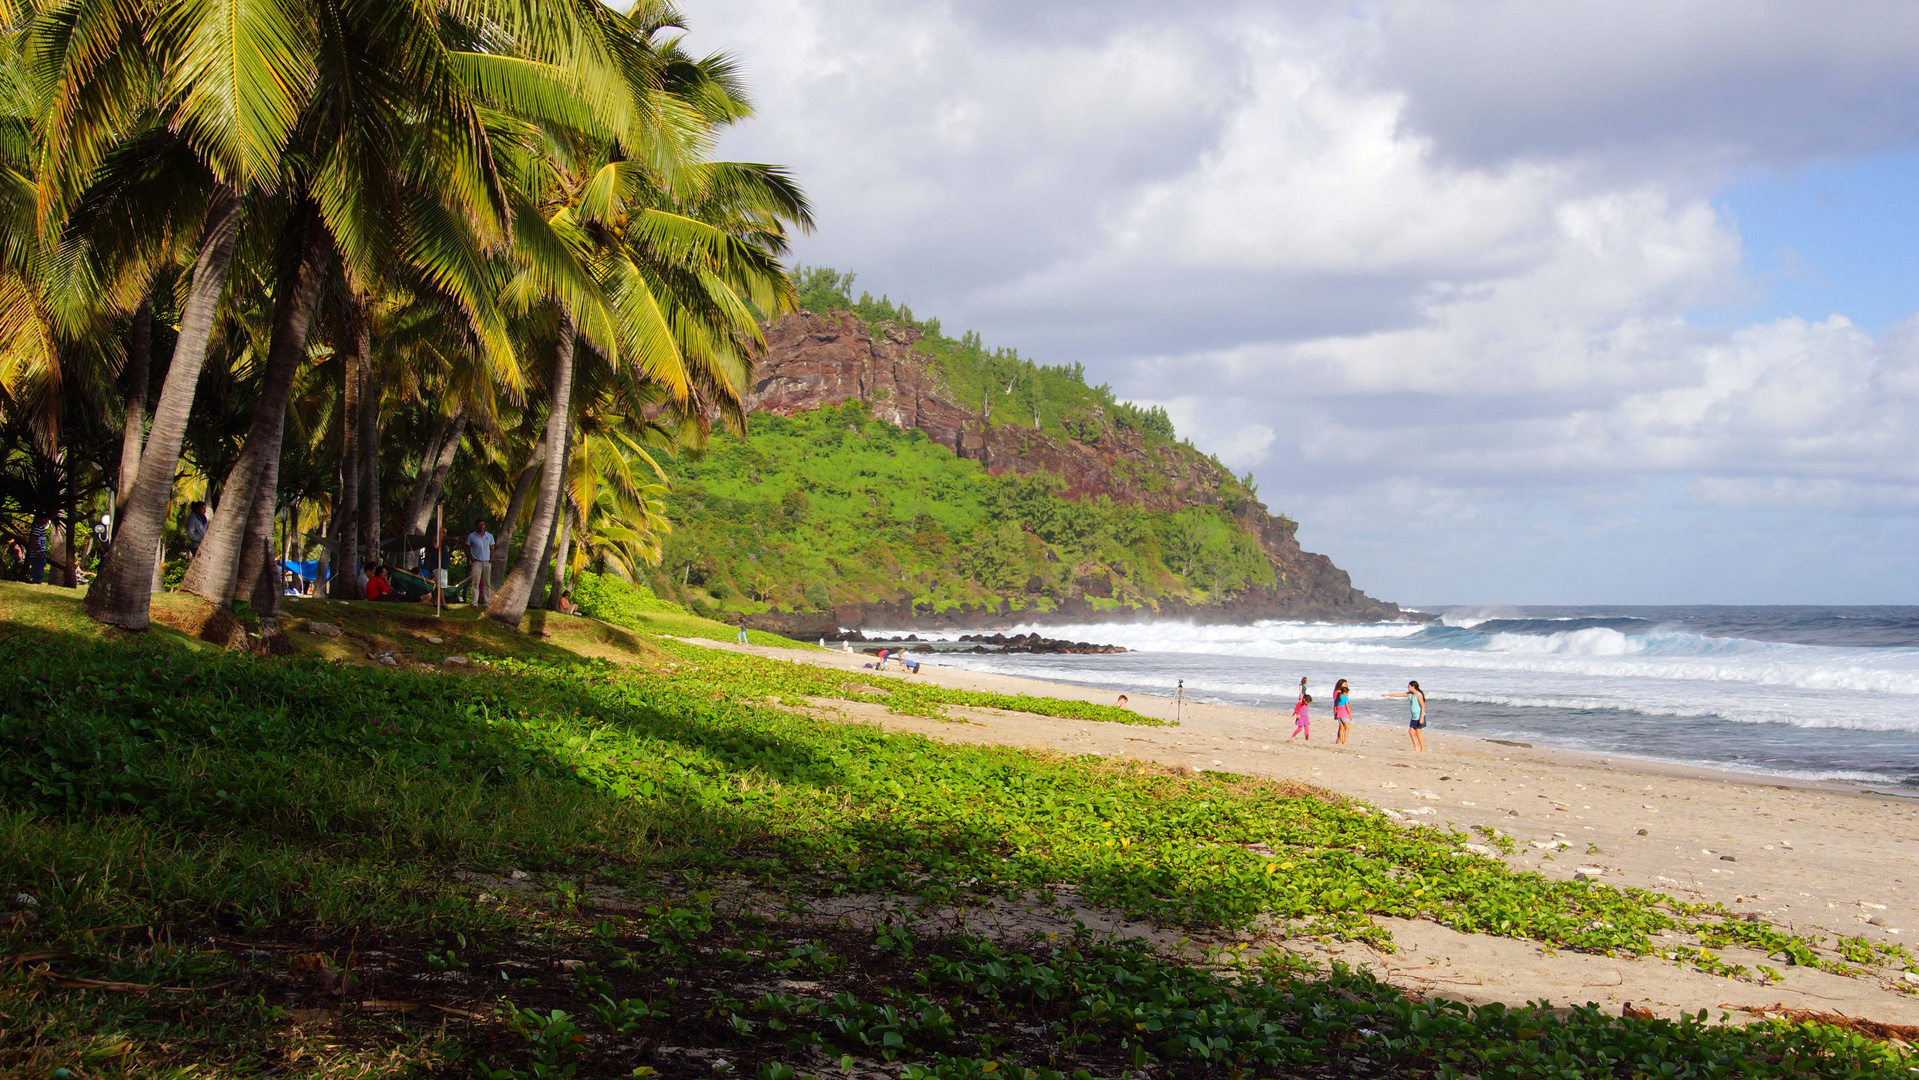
814 360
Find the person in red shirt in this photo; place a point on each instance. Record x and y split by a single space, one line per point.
376 585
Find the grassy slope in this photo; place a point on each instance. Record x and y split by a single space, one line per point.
833 506
164 804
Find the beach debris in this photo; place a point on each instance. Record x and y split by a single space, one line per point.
1481 850
1420 810
1593 871
1632 1012
324 629
518 875
456 661
1727 858
1643 832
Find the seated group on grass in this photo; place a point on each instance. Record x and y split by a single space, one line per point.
399 587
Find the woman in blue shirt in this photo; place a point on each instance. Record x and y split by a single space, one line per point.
1416 703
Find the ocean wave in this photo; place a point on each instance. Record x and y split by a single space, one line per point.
1591 652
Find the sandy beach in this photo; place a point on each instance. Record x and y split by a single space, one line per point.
1824 859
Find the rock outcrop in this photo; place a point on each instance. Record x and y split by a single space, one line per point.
814 360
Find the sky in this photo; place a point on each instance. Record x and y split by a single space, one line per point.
1504 302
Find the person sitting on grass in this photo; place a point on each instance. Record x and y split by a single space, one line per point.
379 588
566 606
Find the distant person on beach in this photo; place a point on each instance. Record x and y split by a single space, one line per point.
1416 702
1121 703
1343 710
1302 692
1302 723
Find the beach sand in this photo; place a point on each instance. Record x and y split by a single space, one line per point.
1823 859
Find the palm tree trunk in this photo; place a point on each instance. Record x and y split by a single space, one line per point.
433 470
546 567
521 488
257 579
346 516
509 603
72 476
123 589
134 430
260 578
215 569
563 547
370 457
417 506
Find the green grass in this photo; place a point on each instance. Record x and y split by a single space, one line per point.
158 798
834 506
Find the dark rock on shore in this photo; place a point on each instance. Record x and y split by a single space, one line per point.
1033 643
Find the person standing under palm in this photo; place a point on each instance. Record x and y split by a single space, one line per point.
435 565
479 559
37 549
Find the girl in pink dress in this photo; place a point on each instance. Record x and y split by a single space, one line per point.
1302 724
1343 710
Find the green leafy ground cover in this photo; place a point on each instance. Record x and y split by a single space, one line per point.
194 819
833 506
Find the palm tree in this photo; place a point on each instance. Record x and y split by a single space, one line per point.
419 160
684 254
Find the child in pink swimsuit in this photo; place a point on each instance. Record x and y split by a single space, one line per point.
1302 724
1343 710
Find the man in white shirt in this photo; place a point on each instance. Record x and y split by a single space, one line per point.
479 553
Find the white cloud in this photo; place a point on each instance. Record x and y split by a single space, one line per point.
1428 268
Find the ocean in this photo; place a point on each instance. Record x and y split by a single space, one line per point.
1829 693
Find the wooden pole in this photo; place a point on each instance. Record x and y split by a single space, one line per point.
439 559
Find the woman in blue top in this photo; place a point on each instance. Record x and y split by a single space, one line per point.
1416 702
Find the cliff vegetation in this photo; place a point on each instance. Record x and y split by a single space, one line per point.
894 476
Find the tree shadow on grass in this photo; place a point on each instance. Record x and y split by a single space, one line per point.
579 768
